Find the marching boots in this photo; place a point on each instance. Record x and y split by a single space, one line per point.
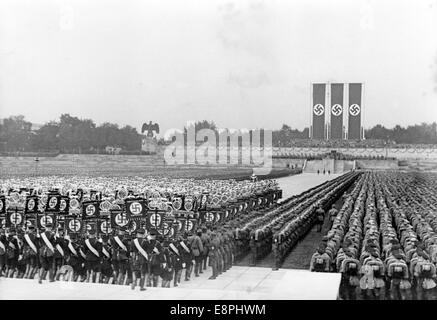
155 280
142 280
51 275
149 280
134 282
40 274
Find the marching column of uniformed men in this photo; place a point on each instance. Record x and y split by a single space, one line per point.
137 260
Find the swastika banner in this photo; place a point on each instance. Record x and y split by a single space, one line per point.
318 110
90 210
136 207
337 111
355 108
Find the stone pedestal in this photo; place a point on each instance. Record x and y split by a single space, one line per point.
149 145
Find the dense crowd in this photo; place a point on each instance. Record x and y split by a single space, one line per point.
280 228
383 239
186 227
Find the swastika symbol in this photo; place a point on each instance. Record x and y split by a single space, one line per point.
155 219
337 109
30 204
209 217
354 109
121 219
53 202
104 227
90 209
74 225
89 227
318 109
135 208
45 220
62 205
16 218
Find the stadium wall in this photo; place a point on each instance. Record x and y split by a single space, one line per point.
398 153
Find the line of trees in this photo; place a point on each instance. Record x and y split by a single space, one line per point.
73 135
68 135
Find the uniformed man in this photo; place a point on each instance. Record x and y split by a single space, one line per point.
320 214
205 243
120 256
139 259
3 245
12 253
332 214
166 265
155 252
106 264
176 248
196 247
93 252
46 253
212 255
74 256
30 252
186 256
59 255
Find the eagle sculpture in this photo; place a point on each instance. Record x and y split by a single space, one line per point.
149 127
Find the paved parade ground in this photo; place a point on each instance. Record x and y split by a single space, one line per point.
238 283
296 184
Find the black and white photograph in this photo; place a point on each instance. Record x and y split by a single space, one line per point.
222 150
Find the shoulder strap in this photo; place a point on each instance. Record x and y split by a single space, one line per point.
93 250
140 249
2 246
59 248
105 252
120 243
30 243
70 246
47 241
184 246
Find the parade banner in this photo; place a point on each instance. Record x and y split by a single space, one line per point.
136 207
31 221
31 206
90 210
44 219
64 205
355 108
207 217
155 219
181 225
73 225
3 221
167 228
104 226
119 219
191 225
2 205
91 226
14 218
53 202
318 111
133 225
337 111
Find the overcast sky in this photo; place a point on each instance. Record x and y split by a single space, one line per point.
244 64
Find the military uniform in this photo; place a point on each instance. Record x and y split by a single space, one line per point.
120 257
93 252
30 253
139 259
155 252
177 261
3 245
205 243
46 254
